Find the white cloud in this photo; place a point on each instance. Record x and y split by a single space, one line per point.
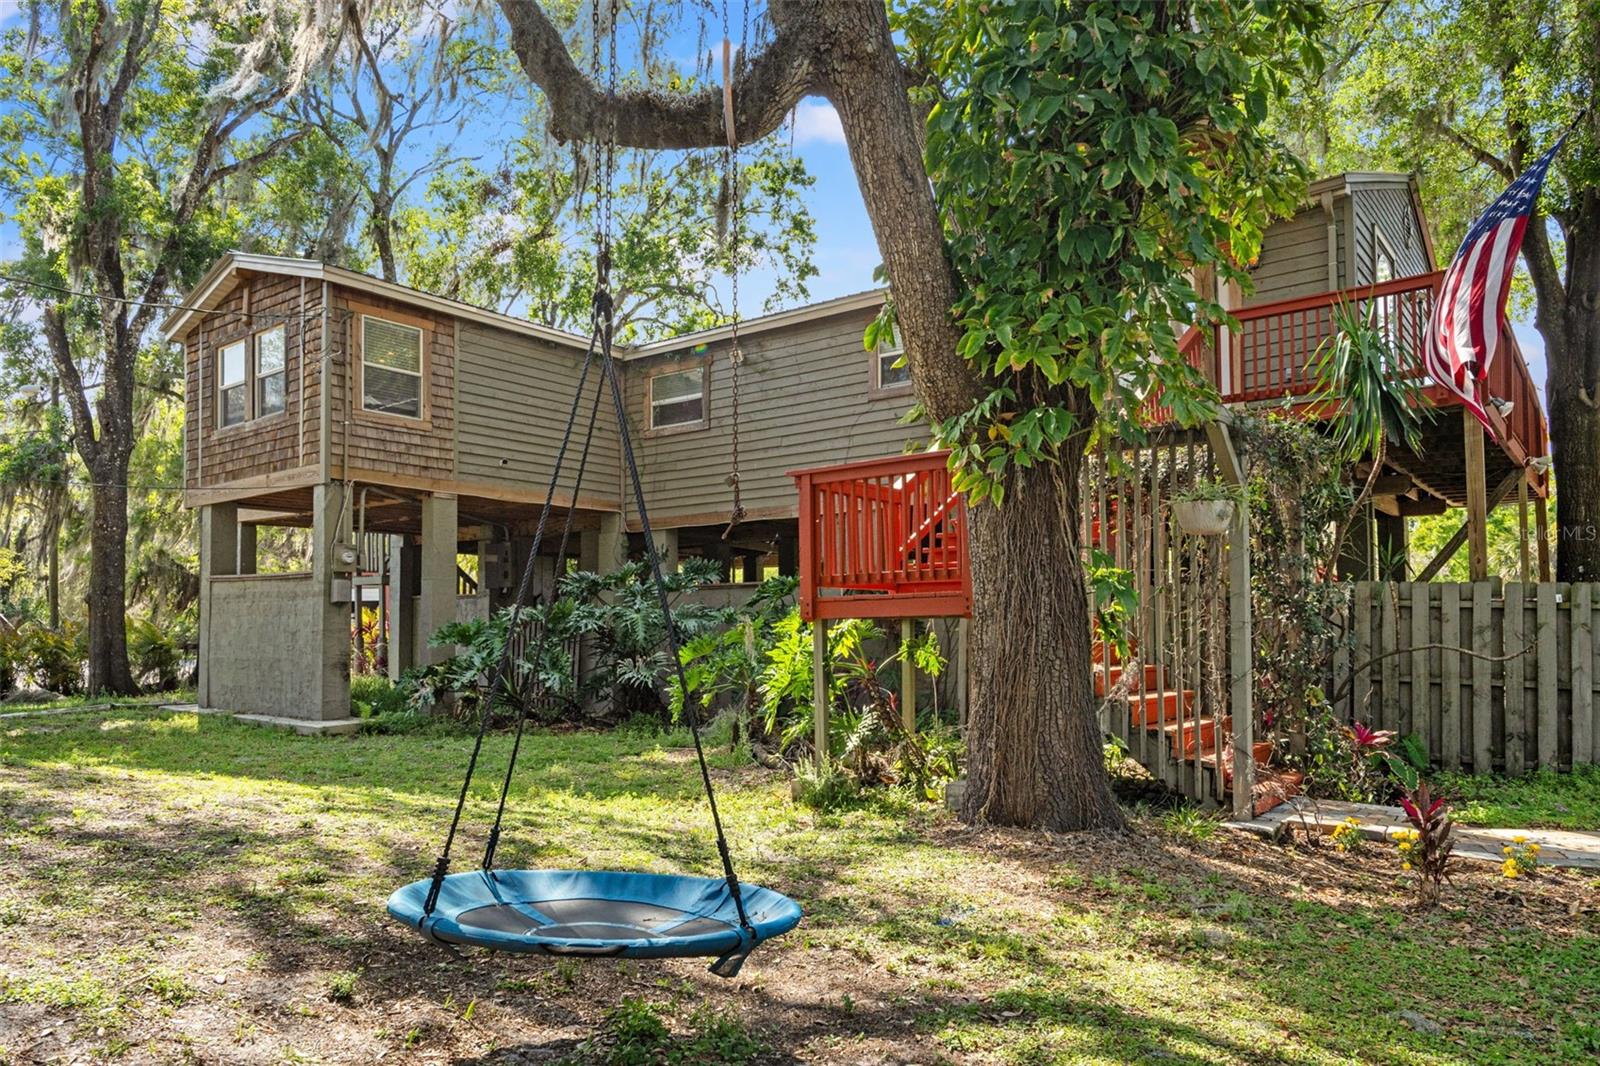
816 122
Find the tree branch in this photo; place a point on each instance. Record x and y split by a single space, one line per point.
55 332
765 88
1474 149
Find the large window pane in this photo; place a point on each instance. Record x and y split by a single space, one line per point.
391 392
233 366
269 351
392 345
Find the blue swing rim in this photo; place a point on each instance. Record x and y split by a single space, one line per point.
770 912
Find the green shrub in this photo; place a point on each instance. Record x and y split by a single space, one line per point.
155 652
375 696
824 786
13 658
56 657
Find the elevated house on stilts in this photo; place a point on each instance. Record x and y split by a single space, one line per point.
410 433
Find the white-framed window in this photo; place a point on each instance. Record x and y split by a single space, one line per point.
233 388
271 372
1382 271
391 367
1382 258
891 370
678 398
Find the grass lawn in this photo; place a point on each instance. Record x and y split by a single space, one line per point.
177 888
1542 800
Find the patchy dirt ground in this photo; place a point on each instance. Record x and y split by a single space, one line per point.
176 889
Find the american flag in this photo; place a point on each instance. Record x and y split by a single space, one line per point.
1465 328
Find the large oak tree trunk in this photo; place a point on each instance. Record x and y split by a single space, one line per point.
108 577
1035 751
1572 344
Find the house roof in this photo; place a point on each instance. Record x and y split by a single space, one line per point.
1352 178
218 282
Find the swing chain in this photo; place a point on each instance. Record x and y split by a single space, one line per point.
736 220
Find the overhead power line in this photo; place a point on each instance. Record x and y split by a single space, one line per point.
163 305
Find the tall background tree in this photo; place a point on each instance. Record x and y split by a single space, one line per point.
143 138
118 133
1085 156
1467 93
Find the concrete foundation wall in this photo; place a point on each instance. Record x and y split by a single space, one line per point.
267 652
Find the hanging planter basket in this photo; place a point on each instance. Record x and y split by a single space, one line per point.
1203 518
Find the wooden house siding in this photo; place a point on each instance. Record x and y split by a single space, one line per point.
257 447
805 400
1294 259
1391 211
363 443
515 393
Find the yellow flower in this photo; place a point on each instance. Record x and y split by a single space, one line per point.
1519 840
1405 866
1506 850
1534 848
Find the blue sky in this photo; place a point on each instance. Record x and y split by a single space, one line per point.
846 252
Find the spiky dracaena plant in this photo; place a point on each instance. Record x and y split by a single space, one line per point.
1433 839
1376 401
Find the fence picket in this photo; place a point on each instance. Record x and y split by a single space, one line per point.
1515 691
1545 671
1388 627
1482 680
1583 731
1418 717
1450 676
1361 692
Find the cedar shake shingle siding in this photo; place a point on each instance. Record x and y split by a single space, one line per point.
214 454
388 444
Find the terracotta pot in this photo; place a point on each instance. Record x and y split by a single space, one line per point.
1203 518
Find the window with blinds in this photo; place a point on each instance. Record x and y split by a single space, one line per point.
677 398
391 368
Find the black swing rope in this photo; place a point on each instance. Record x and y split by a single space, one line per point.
600 340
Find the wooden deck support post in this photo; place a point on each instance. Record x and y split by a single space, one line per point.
962 674
819 689
908 678
1477 499
1522 530
1541 525
437 573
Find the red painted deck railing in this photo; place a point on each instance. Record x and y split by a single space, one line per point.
885 538
1272 355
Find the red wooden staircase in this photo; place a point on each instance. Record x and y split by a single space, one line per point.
1184 741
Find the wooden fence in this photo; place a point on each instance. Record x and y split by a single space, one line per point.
1490 675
